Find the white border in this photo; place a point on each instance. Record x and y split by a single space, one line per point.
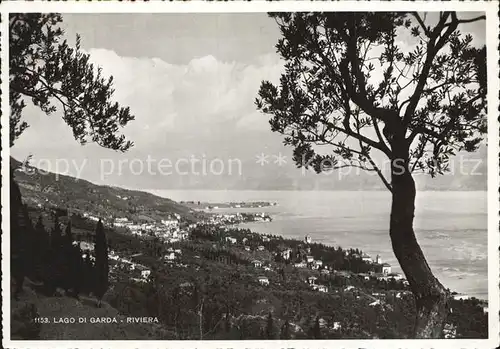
492 25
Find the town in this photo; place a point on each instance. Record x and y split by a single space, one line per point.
271 261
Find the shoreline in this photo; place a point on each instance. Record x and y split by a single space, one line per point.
482 296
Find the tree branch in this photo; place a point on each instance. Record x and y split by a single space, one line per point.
432 50
422 24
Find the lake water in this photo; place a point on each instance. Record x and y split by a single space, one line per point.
451 227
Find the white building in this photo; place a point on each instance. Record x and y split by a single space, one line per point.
145 273
366 258
261 248
396 276
257 263
86 246
169 256
311 280
317 264
449 331
169 222
322 288
263 280
309 259
285 254
386 268
231 239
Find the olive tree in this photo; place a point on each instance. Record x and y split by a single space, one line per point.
46 71
411 89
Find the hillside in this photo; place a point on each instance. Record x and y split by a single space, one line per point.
34 305
46 189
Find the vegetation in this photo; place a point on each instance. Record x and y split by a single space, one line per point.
44 68
211 291
427 103
101 262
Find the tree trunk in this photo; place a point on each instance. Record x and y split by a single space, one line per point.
430 296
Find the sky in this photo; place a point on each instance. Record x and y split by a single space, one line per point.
189 79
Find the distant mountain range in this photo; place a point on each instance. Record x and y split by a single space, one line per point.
468 173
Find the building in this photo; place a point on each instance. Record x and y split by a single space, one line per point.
317 264
266 239
263 280
309 259
169 256
325 271
257 263
121 222
386 268
308 239
86 246
261 248
244 240
378 260
395 276
285 254
169 222
449 331
322 288
145 273
300 265
231 239
364 276
377 302
366 258
311 280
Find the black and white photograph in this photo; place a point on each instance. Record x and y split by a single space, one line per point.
299 176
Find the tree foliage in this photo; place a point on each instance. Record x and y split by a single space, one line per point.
386 81
45 69
101 262
391 82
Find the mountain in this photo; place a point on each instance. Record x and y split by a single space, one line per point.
40 188
468 171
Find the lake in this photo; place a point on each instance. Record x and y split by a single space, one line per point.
451 227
